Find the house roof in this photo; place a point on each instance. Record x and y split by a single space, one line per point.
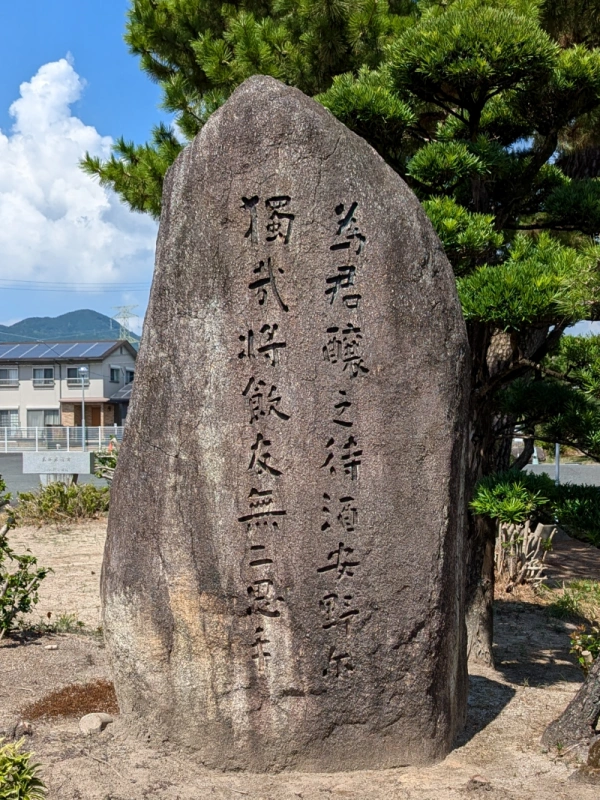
123 395
61 351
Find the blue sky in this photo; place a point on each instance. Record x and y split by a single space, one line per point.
68 84
99 92
118 100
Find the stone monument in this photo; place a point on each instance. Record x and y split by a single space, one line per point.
282 581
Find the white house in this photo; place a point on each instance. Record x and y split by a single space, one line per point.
41 384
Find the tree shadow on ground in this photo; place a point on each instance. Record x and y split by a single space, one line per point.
487 698
531 647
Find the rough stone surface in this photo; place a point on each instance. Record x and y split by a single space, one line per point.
593 759
282 576
94 723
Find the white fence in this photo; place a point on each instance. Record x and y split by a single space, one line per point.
16 440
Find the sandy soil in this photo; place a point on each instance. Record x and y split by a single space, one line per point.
498 757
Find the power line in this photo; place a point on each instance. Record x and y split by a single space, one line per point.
92 287
79 290
69 283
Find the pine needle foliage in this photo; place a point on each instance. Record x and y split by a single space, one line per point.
474 103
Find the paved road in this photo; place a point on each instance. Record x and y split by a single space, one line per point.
11 469
571 473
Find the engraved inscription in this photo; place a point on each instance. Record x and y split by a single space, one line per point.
260 459
339 664
260 654
266 281
344 346
341 562
262 344
262 403
337 610
348 229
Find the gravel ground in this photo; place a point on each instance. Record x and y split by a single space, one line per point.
498 756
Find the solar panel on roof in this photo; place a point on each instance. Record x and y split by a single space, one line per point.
52 351
99 348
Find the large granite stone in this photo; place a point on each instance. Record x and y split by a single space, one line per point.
282 577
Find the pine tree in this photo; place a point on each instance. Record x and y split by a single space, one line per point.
471 102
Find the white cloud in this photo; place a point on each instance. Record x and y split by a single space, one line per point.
56 223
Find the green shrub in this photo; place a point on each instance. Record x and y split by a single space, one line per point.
18 776
59 502
515 496
106 460
20 577
585 644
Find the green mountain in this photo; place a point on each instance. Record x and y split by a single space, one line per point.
84 325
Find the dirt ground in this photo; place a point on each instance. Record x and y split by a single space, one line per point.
498 757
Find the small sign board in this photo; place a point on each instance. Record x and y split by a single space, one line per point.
54 463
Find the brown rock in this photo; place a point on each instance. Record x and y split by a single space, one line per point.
282 578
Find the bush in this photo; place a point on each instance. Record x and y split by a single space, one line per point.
514 497
585 644
20 577
106 460
59 502
18 776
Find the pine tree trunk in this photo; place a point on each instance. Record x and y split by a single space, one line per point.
480 590
490 351
577 724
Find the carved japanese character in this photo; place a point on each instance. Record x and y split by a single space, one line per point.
349 457
341 408
271 348
248 342
263 344
259 558
259 462
260 654
262 403
338 664
250 204
337 610
348 229
263 598
341 562
343 280
347 516
345 346
267 280
261 505
280 220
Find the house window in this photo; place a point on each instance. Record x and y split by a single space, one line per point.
129 375
9 418
43 376
115 375
74 377
9 376
43 418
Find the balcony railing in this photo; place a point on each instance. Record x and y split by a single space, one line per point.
43 381
76 382
15 440
9 381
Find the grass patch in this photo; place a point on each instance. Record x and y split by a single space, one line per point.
59 502
578 599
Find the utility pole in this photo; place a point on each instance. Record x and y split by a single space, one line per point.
123 316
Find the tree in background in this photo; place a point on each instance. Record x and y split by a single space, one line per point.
472 102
